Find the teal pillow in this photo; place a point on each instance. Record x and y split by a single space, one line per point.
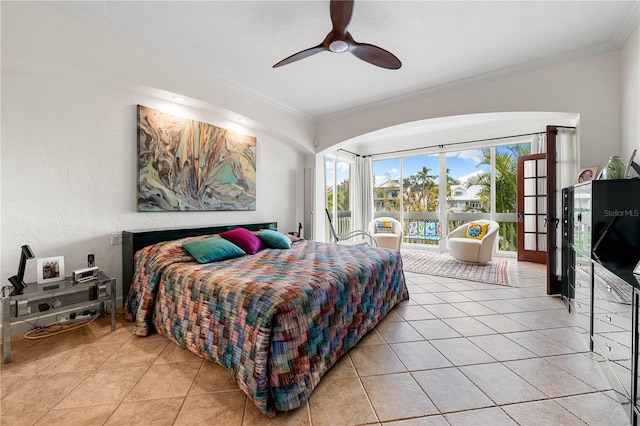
212 249
274 239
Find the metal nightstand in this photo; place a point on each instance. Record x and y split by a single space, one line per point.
25 306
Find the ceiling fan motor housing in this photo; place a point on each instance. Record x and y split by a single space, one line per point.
339 41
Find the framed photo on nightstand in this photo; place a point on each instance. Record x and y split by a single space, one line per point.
50 269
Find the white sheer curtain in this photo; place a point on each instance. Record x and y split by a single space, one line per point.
566 173
539 143
566 159
362 194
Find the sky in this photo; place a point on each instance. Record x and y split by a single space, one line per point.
462 164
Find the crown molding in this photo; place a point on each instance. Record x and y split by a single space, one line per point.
628 26
534 65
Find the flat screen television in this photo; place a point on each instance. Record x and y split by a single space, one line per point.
615 217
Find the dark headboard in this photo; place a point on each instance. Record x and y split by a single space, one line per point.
132 241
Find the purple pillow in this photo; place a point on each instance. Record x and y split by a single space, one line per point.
245 239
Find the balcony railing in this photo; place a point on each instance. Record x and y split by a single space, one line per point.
507 234
342 223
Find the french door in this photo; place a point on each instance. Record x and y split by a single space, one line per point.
532 208
537 210
554 279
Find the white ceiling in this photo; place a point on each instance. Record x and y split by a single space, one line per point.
440 43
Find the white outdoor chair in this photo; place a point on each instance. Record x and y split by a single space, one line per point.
471 250
387 232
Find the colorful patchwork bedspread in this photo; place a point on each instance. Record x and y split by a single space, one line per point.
277 320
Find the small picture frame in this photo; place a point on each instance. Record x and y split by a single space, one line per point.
587 174
50 269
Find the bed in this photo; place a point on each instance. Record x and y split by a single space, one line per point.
277 320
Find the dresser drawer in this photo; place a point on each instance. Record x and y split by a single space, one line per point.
580 306
583 268
613 350
581 291
611 288
612 322
611 293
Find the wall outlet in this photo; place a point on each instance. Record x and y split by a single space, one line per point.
116 238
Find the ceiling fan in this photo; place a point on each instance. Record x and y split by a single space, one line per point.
339 40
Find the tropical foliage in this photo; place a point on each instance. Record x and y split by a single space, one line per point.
506 192
342 196
421 190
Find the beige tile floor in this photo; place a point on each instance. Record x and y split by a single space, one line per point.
458 353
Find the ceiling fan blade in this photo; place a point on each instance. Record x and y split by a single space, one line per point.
340 40
341 12
301 55
375 55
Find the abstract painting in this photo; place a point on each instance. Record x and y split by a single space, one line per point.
188 165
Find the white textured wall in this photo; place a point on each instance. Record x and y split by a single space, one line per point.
69 172
68 140
589 87
630 71
37 37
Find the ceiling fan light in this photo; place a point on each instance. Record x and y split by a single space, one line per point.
338 46
339 40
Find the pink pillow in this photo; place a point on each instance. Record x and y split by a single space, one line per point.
245 239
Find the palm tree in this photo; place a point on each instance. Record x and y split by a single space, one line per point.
506 164
426 180
450 181
506 188
418 191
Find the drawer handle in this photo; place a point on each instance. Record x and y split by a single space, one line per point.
608 347
579 263
579 305
579 284
608 317
608 288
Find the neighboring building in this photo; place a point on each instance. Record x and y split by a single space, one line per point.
386 195
465 199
